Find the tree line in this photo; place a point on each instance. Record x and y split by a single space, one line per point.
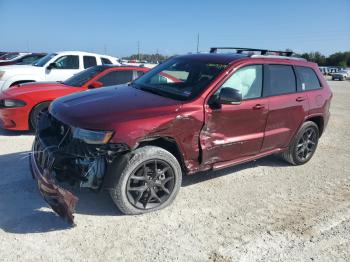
152 58
339 59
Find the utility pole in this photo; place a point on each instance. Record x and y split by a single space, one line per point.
105 49
138 51
198 43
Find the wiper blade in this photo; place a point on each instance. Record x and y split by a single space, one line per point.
153 90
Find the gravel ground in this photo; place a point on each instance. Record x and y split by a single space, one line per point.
262 211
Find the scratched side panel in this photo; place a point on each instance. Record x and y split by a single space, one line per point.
182 123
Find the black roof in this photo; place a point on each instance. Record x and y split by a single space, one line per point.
220 58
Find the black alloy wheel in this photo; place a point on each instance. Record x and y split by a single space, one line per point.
151 184
149 181
306 145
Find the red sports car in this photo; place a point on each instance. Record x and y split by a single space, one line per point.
21 104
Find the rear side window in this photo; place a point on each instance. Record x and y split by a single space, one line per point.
89 61
105 61
116 78
282 80
308 77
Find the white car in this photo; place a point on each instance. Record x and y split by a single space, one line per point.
52 67
341 75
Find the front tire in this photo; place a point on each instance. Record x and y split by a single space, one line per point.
149 182
303 145
36 111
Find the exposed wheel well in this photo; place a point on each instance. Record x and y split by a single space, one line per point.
168 144
319 121
21 82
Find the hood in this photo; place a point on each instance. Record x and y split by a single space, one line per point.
101 108
20 69
31 88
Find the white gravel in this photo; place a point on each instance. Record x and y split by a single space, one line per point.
262 211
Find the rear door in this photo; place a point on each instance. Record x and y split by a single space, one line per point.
89 61
236 130
287 108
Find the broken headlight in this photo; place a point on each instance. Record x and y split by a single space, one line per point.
10 103
92 137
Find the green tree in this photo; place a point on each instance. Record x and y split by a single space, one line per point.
147 57
339 59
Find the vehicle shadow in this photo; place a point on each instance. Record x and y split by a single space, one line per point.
23 210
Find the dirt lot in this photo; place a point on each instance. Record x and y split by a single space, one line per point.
265 210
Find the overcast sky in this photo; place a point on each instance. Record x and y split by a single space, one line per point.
171 27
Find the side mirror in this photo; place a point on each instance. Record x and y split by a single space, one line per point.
51 66
230 96
95 84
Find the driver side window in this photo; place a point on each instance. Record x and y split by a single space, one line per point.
67 62
248 80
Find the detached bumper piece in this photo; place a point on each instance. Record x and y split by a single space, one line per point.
60 200
58 157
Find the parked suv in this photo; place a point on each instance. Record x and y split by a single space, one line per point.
138 140
52 67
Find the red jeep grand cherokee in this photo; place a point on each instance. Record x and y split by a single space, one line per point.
20 105
138 140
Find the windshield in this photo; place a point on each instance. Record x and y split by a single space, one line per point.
179 78
42 61
9 56
82 77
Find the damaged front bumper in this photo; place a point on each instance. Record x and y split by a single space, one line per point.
57 158
60 200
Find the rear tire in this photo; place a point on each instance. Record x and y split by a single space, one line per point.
149 182
36 111
304 144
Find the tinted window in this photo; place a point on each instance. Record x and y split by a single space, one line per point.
116 78
105 61
309 80
82 77
89 61
68 62
282 80
248 80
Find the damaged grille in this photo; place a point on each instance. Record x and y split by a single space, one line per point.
71 160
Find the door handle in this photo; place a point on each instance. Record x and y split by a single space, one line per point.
300 98
258 106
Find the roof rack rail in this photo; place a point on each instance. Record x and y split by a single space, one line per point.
240 50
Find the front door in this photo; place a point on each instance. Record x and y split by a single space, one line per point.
236 130
65 67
